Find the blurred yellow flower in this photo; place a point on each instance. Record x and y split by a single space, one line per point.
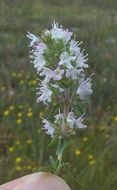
21 82
11 149
27 76
20 114
18 160
20 75
29 83
3 88
18 168
78 152
92 162
19 121
11 108
85 139
20 106
90 156
14 74
32 82
41 114
106 135
29 109
102 128
7 112
29 114
29 141
115 118
29 167
17 142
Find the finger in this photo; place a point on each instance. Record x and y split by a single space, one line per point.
12 184
42 181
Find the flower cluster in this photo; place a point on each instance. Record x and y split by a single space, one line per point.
60 64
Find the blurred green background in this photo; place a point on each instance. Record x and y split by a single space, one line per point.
23 145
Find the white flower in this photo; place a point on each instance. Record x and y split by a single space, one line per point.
81 61
33 38
84 88
57 73
39 62
71 119
46 33
79 123
59 33
58 117
48 73
37 56
73 73
67 35
74 48
45 93
40 48
65 59
49 129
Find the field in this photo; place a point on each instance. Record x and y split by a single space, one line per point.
23 144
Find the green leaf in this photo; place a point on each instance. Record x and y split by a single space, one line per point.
61 146
53 109
53 141
72 180
53 162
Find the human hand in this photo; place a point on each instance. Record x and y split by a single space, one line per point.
37 181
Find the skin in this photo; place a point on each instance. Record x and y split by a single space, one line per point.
37 181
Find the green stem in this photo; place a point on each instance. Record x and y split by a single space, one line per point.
59 152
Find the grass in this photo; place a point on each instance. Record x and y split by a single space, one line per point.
22 142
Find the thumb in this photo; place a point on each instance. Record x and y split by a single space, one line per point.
37 181
10 185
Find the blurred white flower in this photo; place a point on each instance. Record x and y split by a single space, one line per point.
33 39
81 61
49 129
84 89
74 47
37 56
46 33
59 33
